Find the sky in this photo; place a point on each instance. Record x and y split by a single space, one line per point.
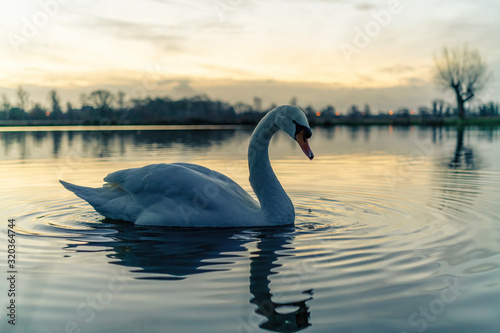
323 52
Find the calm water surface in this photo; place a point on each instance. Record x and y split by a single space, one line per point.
397 230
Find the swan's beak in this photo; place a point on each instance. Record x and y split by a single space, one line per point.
304 144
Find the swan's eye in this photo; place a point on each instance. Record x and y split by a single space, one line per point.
299 128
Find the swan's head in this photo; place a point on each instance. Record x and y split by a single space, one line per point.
293 121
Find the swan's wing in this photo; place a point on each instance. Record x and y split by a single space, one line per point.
177 194
176 179
183 194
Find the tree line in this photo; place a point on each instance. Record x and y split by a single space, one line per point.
103 107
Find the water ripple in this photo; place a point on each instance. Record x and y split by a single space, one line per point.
370 247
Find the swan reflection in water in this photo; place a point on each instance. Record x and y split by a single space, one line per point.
175 254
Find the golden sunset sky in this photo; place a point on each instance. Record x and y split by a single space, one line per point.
322 52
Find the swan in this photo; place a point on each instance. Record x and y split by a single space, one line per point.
190 195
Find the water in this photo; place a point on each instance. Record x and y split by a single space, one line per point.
397 230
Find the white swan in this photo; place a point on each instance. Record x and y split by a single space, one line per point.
189 195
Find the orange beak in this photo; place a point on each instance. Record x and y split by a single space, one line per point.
304 144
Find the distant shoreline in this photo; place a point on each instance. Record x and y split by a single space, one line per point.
102 108
340 120
93 128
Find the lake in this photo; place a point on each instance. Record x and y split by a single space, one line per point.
397 230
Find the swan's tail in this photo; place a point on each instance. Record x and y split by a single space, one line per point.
92 195
110 201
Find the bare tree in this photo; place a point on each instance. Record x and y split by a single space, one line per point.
23 98
83 100
5 103
101 99
437 107
367 112
463 71
257 104
120 99
56 112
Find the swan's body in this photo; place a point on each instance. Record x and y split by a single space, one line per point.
177 194
189 195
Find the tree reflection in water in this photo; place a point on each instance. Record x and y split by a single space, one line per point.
99 144
463 157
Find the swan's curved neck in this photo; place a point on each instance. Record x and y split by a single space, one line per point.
275 203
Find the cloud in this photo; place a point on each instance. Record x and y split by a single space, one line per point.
183 89
318 95
414 81
397 69
226 70
134 30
